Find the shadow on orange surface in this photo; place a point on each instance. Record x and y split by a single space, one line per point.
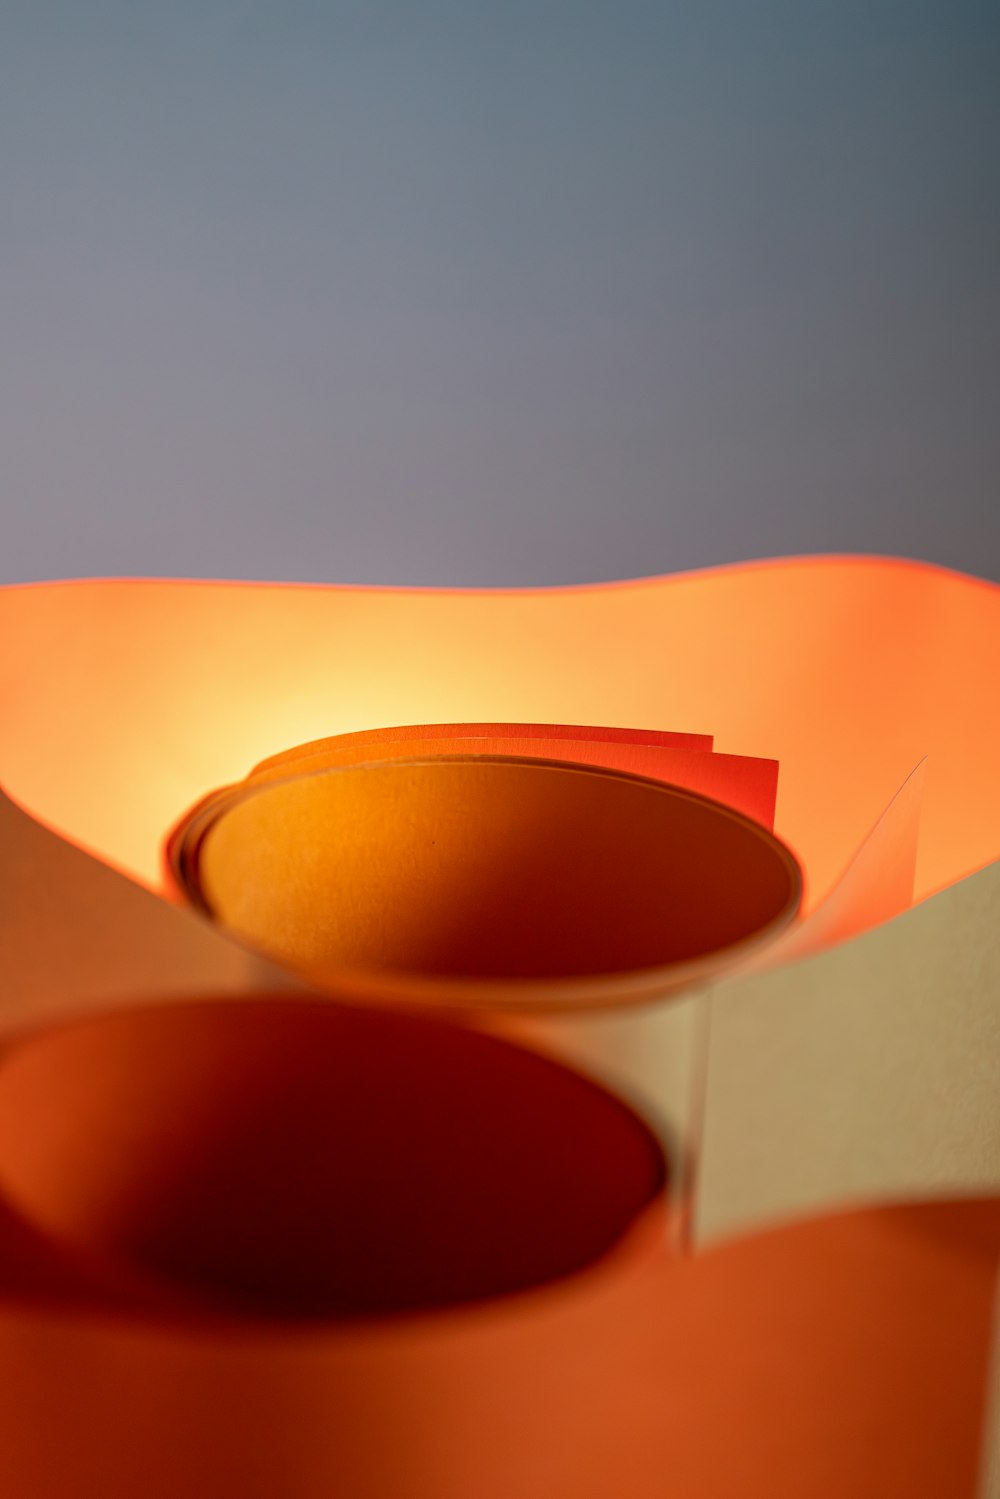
297 1159
840 1356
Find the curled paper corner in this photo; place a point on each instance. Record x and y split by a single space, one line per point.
876 885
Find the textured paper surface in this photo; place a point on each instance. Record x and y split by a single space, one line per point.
868 1071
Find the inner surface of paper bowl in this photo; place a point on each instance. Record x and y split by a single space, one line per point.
305 1159
452 872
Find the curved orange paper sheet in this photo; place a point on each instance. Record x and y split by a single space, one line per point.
843 1356
126 701
748 785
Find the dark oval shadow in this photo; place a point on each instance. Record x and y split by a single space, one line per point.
303 1159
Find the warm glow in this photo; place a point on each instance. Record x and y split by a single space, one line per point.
124 702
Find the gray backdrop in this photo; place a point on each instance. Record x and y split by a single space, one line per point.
481 291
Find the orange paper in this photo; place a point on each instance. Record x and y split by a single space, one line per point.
156 1055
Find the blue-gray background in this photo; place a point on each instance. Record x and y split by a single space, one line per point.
480 291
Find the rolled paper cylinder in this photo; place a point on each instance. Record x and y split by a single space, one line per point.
294 1159
77 936
501 887
123 701
488 880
